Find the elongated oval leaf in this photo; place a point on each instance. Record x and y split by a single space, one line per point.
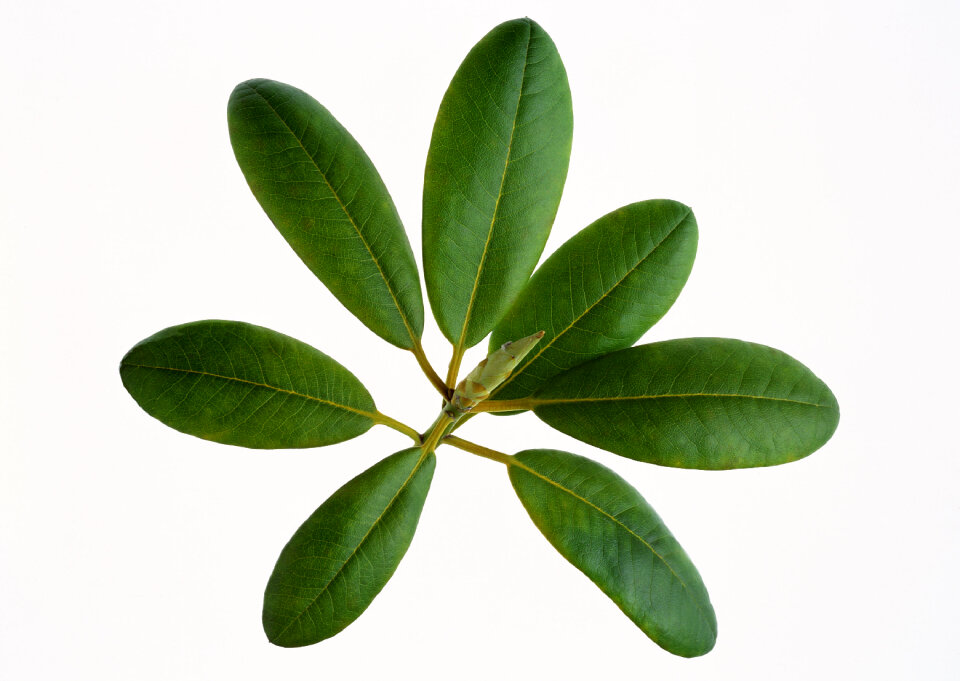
245 385
711 403
598 522
322 192
601 290
494 175
344 554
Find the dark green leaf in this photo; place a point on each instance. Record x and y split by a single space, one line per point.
494 175
322 192
711 403
600 291
342 556
598 522
245 385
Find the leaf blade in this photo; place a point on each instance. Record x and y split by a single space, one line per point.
245 385
601 290
707 403
324 195
494 175
605 528
320 584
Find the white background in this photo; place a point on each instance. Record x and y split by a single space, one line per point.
818 145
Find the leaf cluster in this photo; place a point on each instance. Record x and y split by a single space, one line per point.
561 344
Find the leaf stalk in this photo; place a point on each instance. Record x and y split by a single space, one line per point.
399 426
428 370
479 450
454 369
523 404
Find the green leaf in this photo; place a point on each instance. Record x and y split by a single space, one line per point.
710 403
602 525
495 171
342 556
323 193
245 385
600 291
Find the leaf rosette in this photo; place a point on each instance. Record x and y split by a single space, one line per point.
561 345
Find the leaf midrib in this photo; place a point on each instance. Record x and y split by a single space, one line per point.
370 415
343 207
343 566
496 205
537 402
543 348
683 585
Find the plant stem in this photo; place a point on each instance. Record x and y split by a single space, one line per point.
385 420
479 450
437 431
463 419
454 370
428 370
522 404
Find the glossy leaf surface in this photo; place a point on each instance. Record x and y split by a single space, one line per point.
326 198
495 171
245 385
598 522
343 555
601 290
711 403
